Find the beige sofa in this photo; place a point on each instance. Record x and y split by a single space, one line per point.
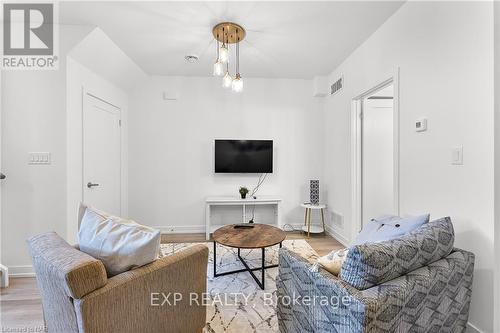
77 295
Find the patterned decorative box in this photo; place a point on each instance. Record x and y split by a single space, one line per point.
314 192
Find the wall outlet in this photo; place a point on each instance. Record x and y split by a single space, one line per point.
39 158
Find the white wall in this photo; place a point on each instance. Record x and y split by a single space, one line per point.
33 120
445 54
497 162
171 145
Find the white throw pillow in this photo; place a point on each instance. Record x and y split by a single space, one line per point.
119 243
389 227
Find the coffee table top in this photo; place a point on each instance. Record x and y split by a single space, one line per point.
261 235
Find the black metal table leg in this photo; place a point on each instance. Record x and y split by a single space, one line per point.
247 268
215 259
263 267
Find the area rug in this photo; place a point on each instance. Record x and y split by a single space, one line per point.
237 304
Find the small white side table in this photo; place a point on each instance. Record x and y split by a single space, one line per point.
308 227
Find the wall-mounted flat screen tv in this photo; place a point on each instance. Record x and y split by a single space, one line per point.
243 156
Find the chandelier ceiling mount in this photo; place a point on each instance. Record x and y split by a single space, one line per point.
227 33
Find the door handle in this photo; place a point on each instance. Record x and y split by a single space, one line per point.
2 176
90 185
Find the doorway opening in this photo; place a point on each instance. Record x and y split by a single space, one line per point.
375 153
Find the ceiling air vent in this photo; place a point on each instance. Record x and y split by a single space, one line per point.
337 86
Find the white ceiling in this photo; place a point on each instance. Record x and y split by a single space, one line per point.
284 39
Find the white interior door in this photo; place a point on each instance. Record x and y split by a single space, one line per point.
377 157
101 155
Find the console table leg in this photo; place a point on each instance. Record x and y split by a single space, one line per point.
323 220
309 224
244 214
215 259
207 222
263 268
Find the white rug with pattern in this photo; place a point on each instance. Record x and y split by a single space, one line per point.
237 303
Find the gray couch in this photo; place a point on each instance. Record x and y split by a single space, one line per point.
416 283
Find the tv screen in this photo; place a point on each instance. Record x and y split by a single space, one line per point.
243 156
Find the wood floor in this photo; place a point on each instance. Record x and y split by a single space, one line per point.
322 244
21 306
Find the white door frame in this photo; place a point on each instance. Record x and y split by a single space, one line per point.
4 280
356 148
85 93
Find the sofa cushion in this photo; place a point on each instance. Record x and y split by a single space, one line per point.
370 264
389 227
119 243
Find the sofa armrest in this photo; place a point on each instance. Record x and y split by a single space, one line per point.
146 299
315 301
60 265
437 295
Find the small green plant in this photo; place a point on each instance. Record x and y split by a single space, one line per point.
243 192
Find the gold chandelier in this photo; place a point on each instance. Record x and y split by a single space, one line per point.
227 33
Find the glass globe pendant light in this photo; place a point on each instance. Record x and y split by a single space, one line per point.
237 84
218 66
224 53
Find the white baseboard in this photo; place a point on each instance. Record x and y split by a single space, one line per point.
21 271
337 235
472 329
181 229
4 276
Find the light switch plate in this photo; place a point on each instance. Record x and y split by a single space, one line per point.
457 155
39 158
421 125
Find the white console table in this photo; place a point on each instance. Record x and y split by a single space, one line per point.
235 201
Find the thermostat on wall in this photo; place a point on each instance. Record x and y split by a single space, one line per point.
421 125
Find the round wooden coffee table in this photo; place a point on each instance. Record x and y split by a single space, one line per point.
258 237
